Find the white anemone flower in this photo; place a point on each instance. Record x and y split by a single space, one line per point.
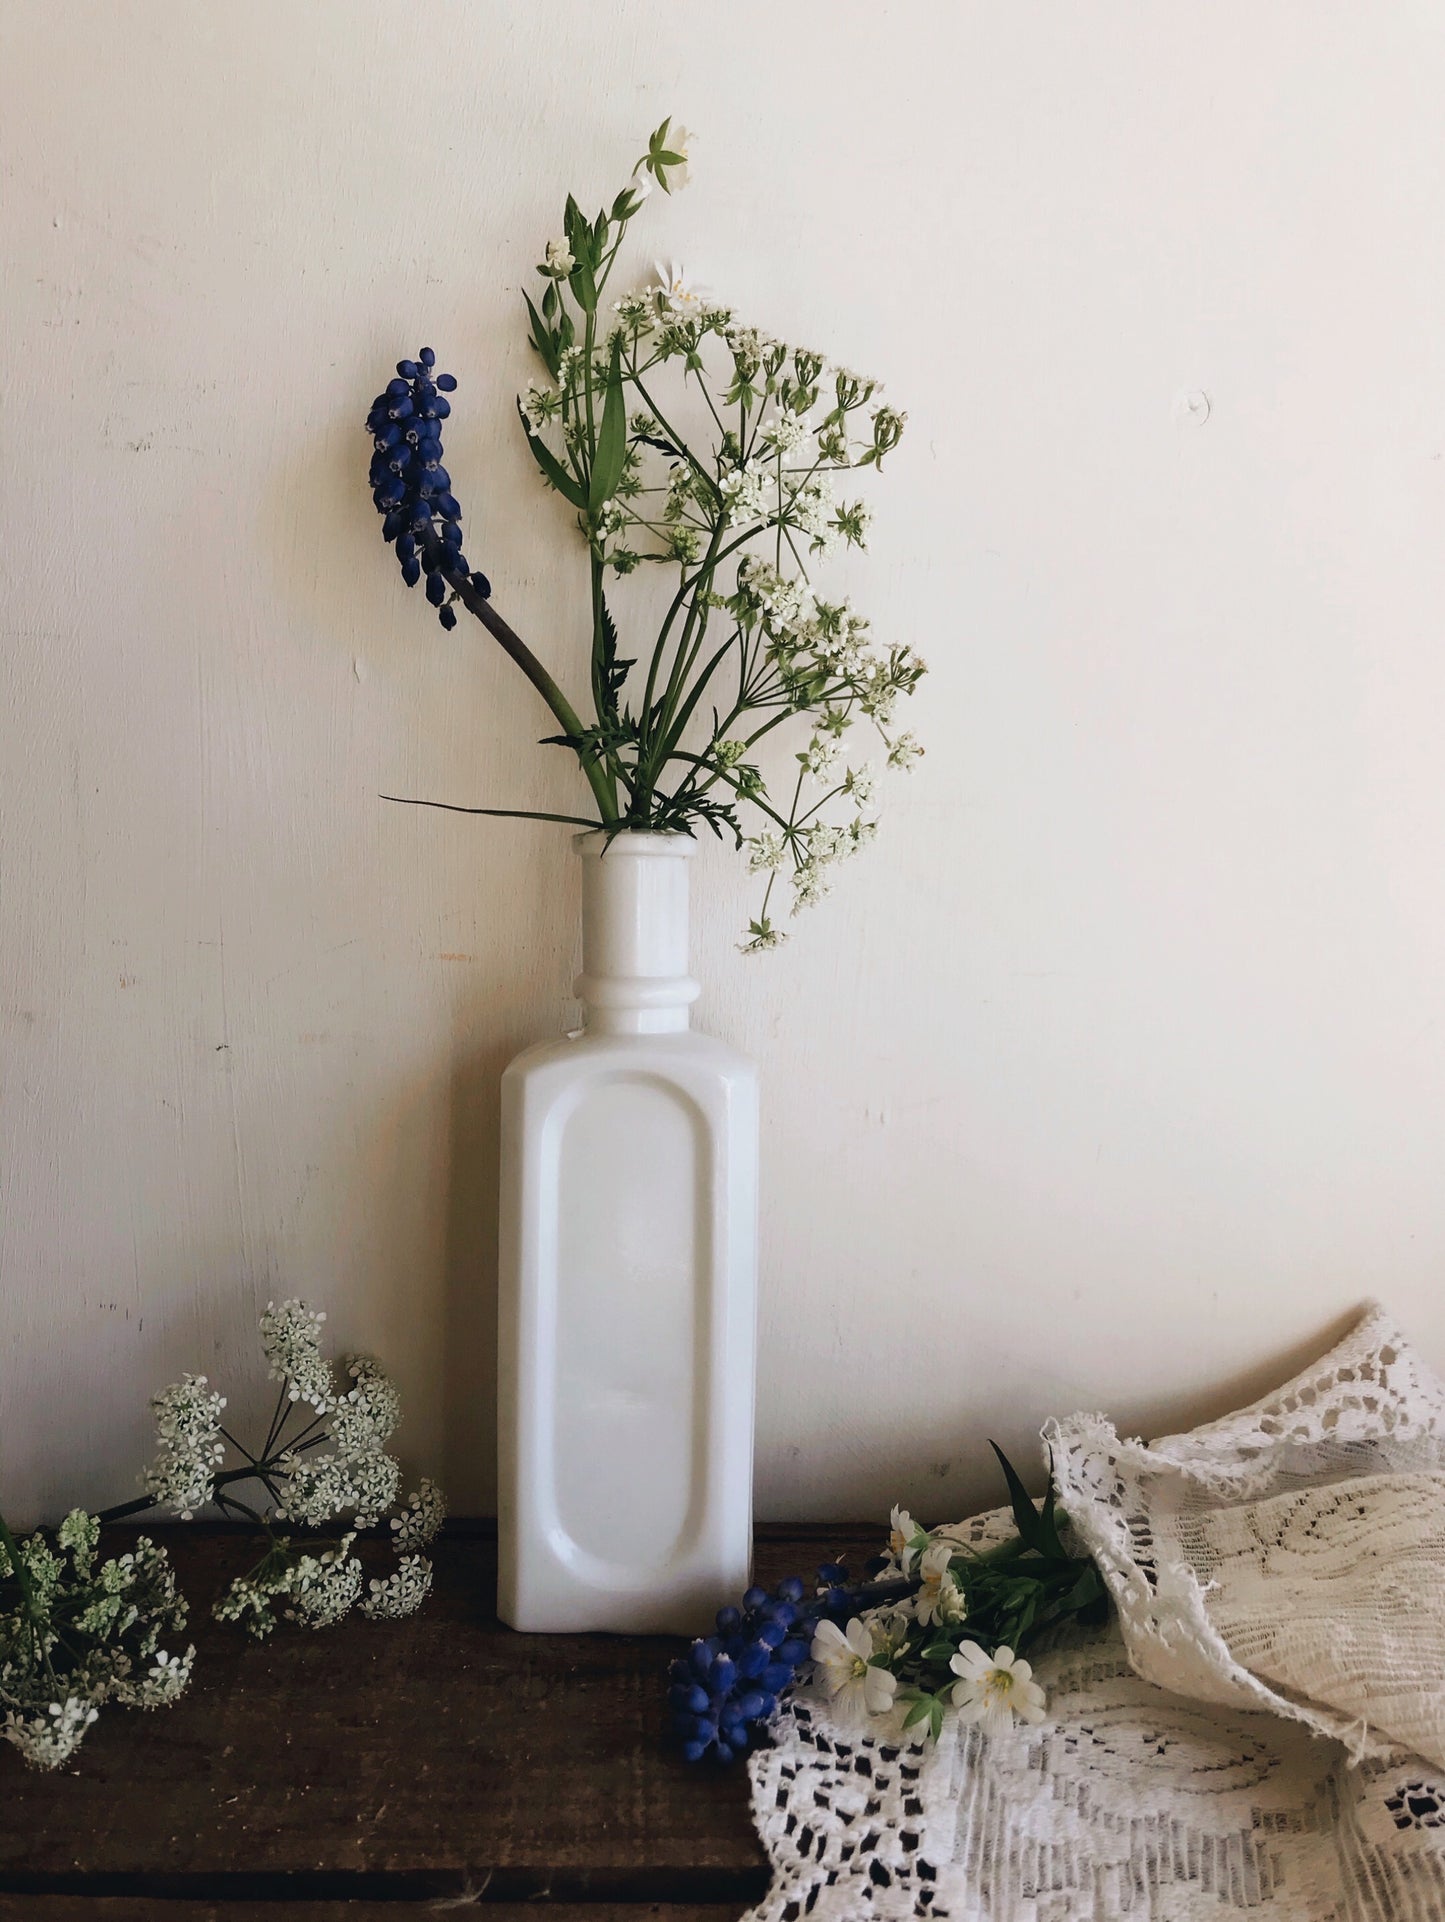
901 1530
847 1670
675 292
679 140
995 1689
938 1598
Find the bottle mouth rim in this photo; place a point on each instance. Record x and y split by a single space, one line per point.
596 844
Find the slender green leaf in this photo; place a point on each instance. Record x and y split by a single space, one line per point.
1026 1516
611 436
542 337
555 472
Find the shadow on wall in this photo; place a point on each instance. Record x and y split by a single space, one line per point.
470 1286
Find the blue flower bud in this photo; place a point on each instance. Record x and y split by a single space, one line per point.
791 1589
754 1598
448 617
447 383
407 369
427 357
724 1674
436 589
727 1618
411 571
482 585
830 1574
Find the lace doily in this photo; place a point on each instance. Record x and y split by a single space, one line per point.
1130 1801
1290 1557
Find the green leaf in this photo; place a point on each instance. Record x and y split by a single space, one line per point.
551 467
611 436
542 338
1026 1516
583 285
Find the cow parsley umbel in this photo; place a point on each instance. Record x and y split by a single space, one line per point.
77 1632
684 440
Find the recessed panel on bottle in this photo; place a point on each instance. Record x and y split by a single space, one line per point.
631 1314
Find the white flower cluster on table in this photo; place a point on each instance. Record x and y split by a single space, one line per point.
858 1665
80 1633
75 1635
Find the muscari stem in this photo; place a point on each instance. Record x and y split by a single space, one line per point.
512 643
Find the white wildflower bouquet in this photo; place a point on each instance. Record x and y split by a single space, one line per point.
686 442
76 1633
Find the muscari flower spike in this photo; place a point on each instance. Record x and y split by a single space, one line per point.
412 489
726 1687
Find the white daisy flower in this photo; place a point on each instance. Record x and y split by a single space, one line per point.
994 1689
901 1530
675 292
938 1598
847 1671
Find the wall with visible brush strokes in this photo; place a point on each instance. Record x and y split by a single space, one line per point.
1114 1076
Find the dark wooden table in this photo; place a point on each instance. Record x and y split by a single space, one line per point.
341 1776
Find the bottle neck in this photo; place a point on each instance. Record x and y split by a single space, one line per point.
634 977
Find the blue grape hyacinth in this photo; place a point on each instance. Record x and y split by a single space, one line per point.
726 1688
411 488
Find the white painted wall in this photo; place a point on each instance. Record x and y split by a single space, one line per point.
1114 1077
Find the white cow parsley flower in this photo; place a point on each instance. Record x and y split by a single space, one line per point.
744 492
811 883
994 1689
787 432
765 853
904 751
48 1737
848 1672
860 783
291 1337
325 1586
320 1487
188 1421
822 751
403 1591
164 1679
762 935
364 1418
417 1524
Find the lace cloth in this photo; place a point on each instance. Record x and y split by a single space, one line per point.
1279 1577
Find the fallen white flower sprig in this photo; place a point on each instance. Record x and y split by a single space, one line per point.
76 1635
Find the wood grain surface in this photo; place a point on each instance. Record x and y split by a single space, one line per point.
440 1758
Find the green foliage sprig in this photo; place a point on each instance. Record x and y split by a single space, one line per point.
685 440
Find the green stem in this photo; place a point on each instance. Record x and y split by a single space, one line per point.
512 644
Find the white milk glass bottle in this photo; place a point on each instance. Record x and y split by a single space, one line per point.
627 1281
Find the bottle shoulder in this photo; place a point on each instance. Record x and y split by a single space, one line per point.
683 1057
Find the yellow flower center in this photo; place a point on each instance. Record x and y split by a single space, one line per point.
998 1682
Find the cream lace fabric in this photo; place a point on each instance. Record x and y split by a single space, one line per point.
1280 1578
